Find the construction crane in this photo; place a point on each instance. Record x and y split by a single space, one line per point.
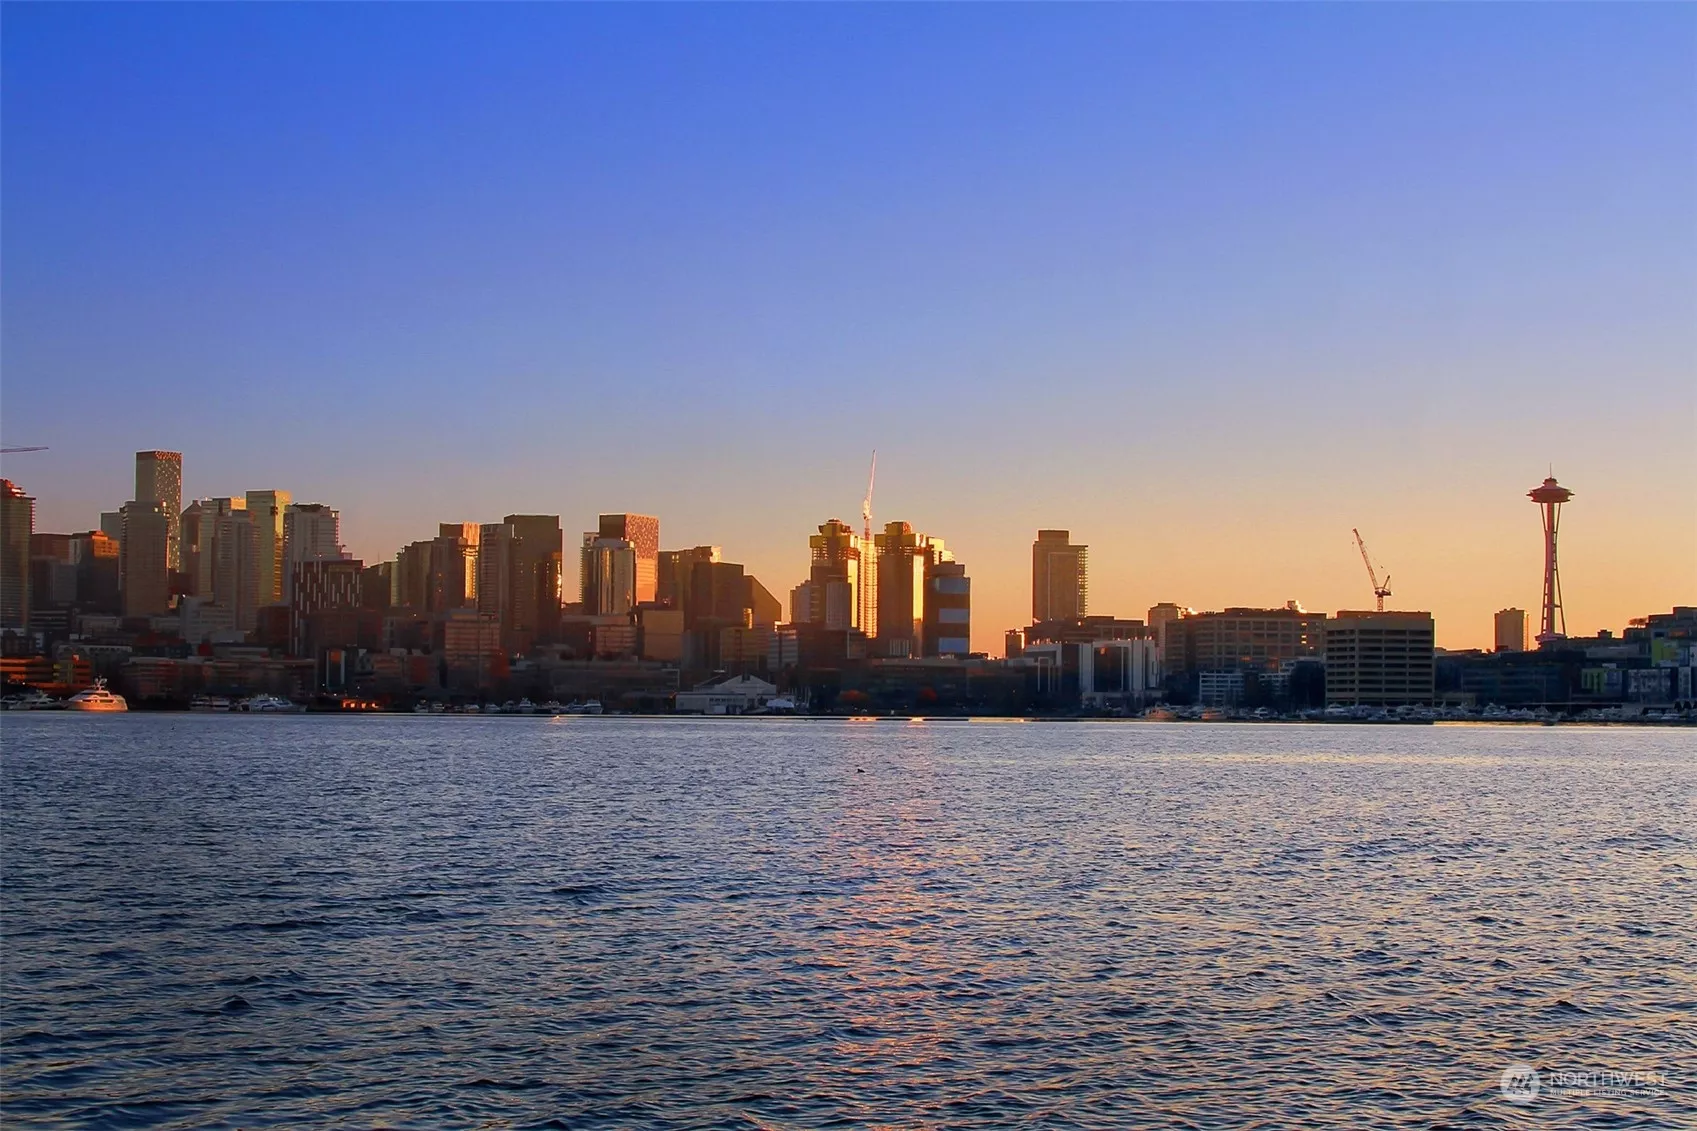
866 504
11 451
1381 589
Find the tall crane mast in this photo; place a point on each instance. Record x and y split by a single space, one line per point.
866 504
1381 589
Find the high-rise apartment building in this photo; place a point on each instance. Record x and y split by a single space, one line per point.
903 555
1510 625
267 509
1379 659
202 553
312 532
232 557
17 523
948 609
836 593
1060 577
642 531
144 558
469 536
324 587
159 479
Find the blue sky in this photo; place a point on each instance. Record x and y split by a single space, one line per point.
1210 285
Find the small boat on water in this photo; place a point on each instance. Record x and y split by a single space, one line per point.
97 698
34 699
267 704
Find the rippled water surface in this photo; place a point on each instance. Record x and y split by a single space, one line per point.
460 922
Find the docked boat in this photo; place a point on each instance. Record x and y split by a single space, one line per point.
209 703
34 699
267 704
97 698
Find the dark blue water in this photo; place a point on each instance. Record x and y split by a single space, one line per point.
458 922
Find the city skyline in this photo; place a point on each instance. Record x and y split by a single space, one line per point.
1307 286
984 638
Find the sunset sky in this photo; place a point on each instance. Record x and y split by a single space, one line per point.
1208 286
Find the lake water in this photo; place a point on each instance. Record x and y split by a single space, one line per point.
240 921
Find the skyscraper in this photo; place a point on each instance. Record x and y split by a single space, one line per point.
143 557
312 532
608 576
234 563
674 573
518 578
17 523
643 533
159 479
1510 630
1060 577
902 557
267 509
835 579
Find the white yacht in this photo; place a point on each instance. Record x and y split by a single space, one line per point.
34 699
97 698
268 704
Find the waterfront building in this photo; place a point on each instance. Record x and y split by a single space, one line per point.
266 509
144 563
322 586
1379 659
1085 630
642 531
1160 616
1242 638
1060 577
1510 630
17 523
159 479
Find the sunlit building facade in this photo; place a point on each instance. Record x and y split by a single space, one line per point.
159 479
17 523
642 531
836 596
1509 627
144 565
267 509
1060 577
1379 659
